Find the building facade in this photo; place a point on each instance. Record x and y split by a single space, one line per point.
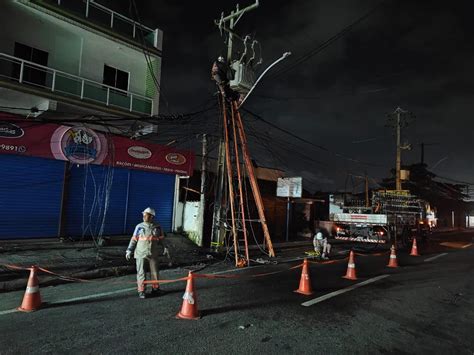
61 60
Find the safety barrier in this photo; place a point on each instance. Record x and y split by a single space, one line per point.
189 310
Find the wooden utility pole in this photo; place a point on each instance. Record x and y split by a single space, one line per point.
398 182
367 204
400 121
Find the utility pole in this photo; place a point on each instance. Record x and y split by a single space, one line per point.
227 24
202 200
398 182
400 121
366 190
232 19
217 228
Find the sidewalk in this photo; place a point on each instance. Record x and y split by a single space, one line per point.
81 259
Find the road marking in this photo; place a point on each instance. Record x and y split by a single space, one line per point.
235 270
436 257
97 295
93 296
8 311
466 246
344 290
76 299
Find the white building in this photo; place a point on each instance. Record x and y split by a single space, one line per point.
64 60
77 56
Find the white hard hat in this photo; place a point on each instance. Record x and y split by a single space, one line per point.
319 236
150 211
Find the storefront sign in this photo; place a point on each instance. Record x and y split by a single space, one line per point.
82 145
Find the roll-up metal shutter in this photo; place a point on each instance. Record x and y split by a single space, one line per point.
90 189
30 197
150 190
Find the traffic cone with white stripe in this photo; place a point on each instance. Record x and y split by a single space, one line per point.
305 280
351 268
32 299
393 262
189 308
414 249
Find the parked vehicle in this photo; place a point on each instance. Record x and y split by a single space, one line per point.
391 216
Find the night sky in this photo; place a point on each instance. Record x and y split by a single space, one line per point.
418 55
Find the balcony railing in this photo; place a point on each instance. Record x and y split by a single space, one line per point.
55 81
106 17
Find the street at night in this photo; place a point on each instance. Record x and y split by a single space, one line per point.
426 305
215 177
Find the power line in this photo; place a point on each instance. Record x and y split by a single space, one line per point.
310 143
327 43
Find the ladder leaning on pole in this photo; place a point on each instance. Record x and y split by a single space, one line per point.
234 132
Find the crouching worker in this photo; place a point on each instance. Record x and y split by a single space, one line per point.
321 246
146 243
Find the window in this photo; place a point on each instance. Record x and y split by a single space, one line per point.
115 78
31 73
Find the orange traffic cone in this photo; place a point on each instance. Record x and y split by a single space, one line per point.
414 249
189 308
351 268
393 262
32 299
305 280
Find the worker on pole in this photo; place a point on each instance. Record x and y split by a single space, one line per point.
221 73
146 244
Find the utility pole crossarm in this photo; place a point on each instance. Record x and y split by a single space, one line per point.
237 13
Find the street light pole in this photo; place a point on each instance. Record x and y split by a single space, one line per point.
285 55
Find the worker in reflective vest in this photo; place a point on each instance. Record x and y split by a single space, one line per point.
321 246
146 243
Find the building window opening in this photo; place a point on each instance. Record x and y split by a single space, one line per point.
32 74
115 78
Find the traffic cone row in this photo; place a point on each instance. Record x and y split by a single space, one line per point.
189 309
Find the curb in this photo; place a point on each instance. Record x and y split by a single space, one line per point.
47 280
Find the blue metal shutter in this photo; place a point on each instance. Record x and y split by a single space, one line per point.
30 197
150 190
86 200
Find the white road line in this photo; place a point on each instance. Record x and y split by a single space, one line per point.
9 311
436 257
93 296
235 270
344 290
466 246
97 295
76 299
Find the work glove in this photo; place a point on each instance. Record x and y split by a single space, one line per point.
128 255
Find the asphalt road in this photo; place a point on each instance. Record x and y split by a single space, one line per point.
425 306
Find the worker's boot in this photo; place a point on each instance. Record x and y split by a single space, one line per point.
141 294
